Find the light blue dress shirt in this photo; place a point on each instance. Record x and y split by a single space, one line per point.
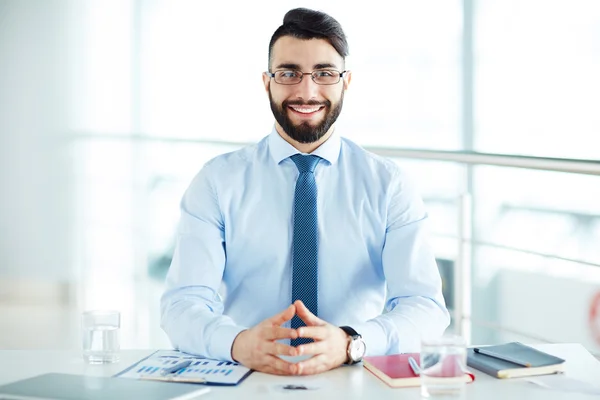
377 271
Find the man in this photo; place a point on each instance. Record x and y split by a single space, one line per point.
312 236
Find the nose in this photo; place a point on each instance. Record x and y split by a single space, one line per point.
307 89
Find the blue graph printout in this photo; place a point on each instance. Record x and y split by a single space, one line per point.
214 372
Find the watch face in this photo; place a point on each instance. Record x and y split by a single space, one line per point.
357 349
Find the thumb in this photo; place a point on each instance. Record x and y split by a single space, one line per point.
283 316
306 315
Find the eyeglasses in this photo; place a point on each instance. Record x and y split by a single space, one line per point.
319 76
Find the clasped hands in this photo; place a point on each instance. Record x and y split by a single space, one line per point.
258 347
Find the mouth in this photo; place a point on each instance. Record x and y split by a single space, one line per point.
306 111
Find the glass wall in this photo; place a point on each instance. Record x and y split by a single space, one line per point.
155 88
534 94
537 89
193 74
405 88
536 256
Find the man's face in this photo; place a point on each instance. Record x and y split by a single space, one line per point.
305 111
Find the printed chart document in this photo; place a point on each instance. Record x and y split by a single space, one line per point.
200 370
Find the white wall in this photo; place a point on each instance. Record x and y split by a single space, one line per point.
549 304
35 190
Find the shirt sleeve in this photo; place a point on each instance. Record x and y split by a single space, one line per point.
191 307
415 307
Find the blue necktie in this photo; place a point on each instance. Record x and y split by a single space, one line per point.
305 245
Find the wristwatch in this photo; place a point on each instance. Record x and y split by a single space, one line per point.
356 347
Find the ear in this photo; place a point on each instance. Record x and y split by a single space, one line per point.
266 81
347 79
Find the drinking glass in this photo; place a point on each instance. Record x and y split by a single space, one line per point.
443 366
100 335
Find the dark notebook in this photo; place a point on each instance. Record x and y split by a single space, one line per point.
514 359
83 387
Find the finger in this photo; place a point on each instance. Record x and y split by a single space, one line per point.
274 364
283 316
313 348
270 370
313 365
276 332
306 315
283 349
313 332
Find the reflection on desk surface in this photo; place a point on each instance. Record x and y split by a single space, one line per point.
351 382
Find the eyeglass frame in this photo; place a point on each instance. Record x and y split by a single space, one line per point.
272 75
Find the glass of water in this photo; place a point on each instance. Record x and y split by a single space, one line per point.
100 331
443 367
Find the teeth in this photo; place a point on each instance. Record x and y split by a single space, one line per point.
306 110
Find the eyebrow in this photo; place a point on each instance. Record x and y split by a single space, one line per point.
297 67
324 65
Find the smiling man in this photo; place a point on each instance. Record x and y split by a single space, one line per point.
321 245
305 112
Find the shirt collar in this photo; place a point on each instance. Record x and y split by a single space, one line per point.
280 149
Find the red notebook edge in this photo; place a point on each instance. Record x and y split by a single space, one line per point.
395 371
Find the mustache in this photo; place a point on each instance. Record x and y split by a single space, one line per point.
325 103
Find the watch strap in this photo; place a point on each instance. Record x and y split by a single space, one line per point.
349 331
353 336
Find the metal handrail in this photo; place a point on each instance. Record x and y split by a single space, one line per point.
588 167
577 166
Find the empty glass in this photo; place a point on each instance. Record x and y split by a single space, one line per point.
443 367
100 335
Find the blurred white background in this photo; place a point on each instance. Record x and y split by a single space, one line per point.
108 108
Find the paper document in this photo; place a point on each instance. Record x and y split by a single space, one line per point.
200 370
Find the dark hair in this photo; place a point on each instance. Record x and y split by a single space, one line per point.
303 23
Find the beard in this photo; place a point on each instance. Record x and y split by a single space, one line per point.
305 132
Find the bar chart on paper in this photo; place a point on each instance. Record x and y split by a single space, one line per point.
200 370
196 368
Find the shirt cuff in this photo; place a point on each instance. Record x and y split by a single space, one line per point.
224 335
374 336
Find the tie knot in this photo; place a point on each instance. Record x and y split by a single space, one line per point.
305 163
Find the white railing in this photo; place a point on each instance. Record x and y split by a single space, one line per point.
576 166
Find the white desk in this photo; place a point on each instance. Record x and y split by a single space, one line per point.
346 382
